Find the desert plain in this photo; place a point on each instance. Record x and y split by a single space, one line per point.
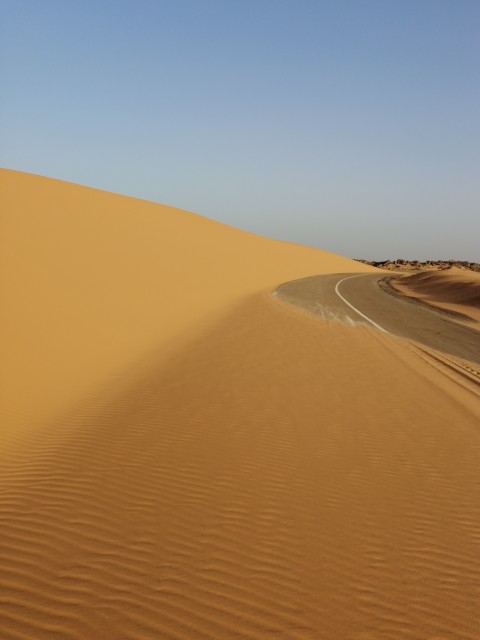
184 454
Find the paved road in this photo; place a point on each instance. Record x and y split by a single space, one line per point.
354 298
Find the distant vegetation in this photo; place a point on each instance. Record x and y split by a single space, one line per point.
417 265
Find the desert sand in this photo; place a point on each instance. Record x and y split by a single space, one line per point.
183 455
451 289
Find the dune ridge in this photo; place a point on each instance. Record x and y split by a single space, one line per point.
251 471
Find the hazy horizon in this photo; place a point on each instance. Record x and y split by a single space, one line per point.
351 127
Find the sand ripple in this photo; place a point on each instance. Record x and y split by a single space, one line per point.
282 477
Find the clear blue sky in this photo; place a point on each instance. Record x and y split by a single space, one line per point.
353 126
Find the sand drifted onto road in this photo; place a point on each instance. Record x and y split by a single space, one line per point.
451 289
186 456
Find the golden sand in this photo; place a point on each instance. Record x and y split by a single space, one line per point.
186 456
451 289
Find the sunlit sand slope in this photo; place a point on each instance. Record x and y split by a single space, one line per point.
92 281
270 475
451 289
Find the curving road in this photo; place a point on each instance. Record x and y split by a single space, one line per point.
354 298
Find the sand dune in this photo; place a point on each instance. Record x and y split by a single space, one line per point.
92 282
194 458
452 289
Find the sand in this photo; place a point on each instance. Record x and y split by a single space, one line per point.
453 289
186 456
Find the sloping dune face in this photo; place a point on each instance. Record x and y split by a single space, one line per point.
93 282
451 289
207 461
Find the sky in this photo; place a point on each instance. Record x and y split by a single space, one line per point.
348 125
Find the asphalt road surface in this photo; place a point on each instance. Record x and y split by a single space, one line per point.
355 298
